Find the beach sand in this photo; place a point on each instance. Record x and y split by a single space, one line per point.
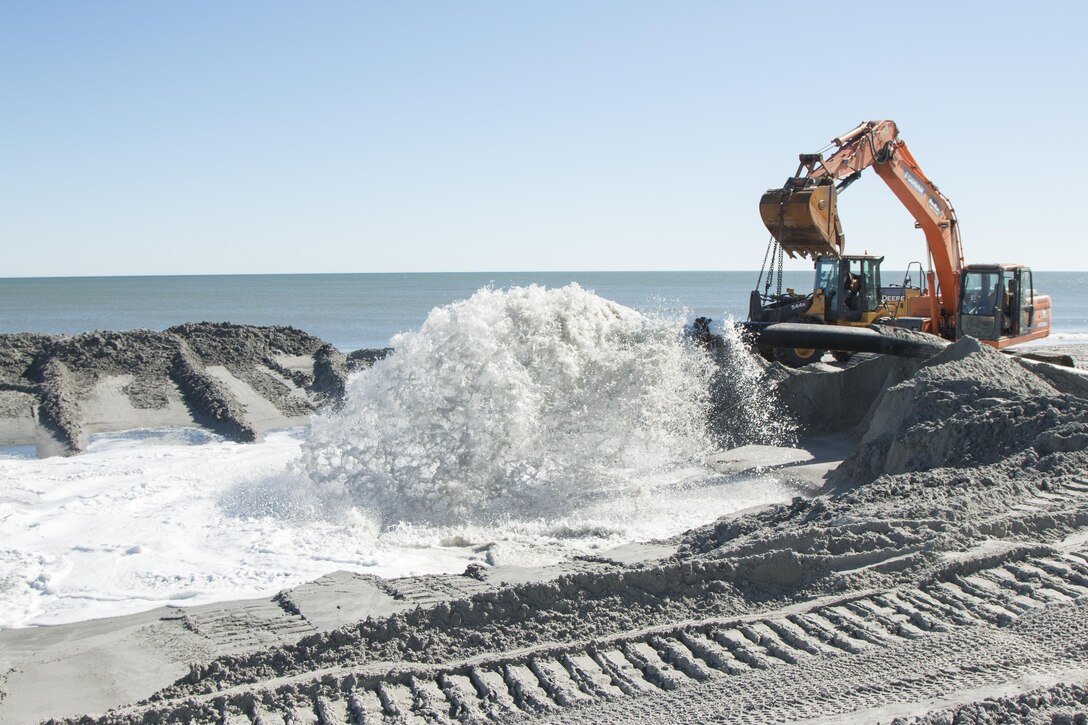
936 567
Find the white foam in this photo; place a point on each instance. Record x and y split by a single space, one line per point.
143 521
525 401
133 524
1062 338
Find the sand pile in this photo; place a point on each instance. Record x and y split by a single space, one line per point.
944 568
968 405
236 380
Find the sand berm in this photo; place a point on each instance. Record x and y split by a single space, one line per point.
937 572
237 380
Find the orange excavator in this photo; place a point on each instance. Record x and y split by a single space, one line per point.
995 303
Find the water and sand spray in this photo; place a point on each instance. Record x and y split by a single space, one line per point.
521 426
530 402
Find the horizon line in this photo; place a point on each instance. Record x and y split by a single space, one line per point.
421 273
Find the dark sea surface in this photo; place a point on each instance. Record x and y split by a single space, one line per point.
365 310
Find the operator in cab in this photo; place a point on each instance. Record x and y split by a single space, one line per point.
853 290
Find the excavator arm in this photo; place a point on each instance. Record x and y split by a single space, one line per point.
803 215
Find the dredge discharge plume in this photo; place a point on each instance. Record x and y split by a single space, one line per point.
516 402
746 406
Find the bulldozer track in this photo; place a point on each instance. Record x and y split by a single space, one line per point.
1014 619
251 624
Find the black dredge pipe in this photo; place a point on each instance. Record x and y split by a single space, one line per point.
852 339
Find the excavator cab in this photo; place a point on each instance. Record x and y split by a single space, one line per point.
998 305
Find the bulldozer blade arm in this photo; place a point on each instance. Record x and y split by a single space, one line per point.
805 221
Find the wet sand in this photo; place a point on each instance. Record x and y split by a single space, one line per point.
935 566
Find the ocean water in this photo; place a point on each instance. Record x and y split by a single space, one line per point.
352 311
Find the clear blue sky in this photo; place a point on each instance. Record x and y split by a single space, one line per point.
253 137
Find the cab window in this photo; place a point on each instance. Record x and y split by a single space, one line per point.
827 279
981 295
871 284
1027 300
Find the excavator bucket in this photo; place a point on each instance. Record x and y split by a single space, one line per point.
805 221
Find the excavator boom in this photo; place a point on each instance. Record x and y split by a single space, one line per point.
803 215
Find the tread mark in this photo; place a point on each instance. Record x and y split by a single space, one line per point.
261 716
556 681
676 654
623 674
892 620
1069 574
920 619
847 621
653 668
928 603
491 686
821 629
396 700
765 638
713 653
741 648
1000 592
526 689
365 706
956 597
588 675
332 712
462 695
299 716
1031 572
429 701
797 638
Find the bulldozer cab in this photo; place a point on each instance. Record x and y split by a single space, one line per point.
849 287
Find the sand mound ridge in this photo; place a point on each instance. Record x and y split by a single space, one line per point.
236 380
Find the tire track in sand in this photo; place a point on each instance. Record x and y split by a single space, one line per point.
843 655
